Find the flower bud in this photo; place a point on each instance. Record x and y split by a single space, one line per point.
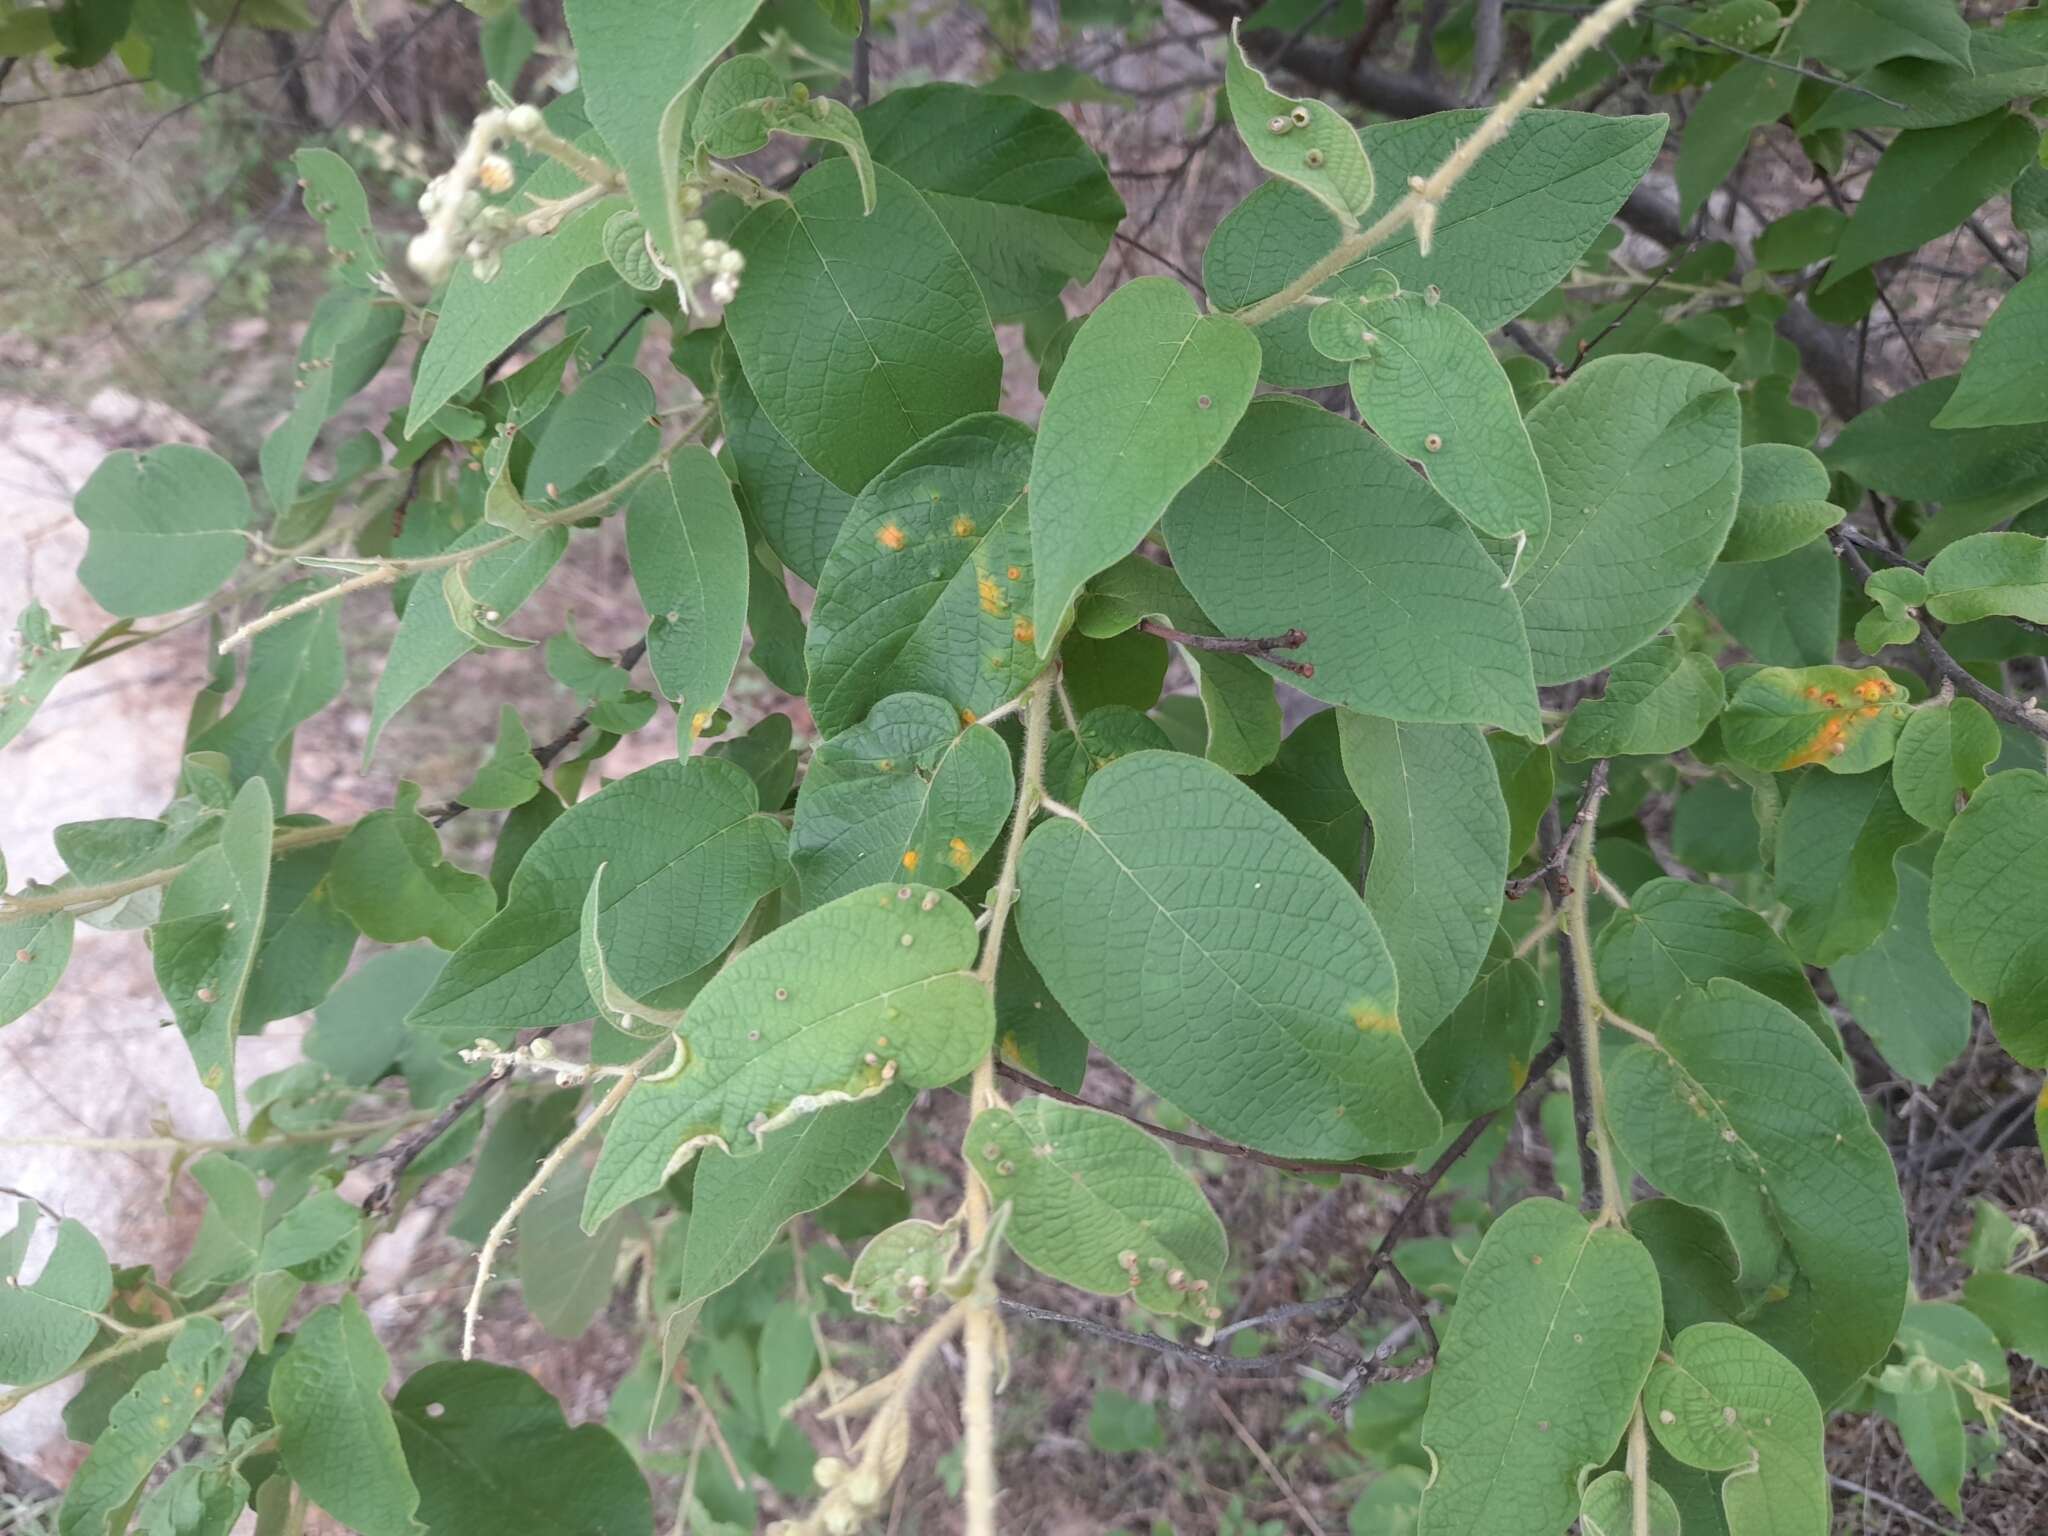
523 121
495 174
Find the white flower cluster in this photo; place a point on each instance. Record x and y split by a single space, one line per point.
460 224
700 257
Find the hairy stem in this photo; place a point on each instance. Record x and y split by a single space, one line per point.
1578 947
1639 1473
1426 194
84 898
127 1344
550 1165
979 1400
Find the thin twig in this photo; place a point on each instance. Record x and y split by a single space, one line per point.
1204 1143
1261 646
1553 860
1586 347
1251 1443
2025 716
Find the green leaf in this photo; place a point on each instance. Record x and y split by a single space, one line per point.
1855 34
429 641
1941 758
1844 719
1308 521
1896 448
43 660
1307 784
1784 612
1150 390
335 1431
906 794
204 947
142 1429
1430 386
1897 591
1658 700
1727 1401
1097 1204
2016 1307
510 775
1695 1258
1607 1508
1836 838
900 1268
335 197
165 528
1784 503
345 345
1510 229
1799 239
1032 1030
1439 854
1987 574
1023 196
1675 937
565 1277
831 1007
1990 880
296 669
615 1006
1118 1424
797 509
46 1324
2005 380
224 1251
1306 142
33 953
478 320
1739 1110
1642 457
1722 122
859 334
201 1498
317 1240
689 855
739 1204
688 550
1927 182
1477 1059
594 437
1916 1016
928 587
1209 949
359 1031
489 1450
2001 68
1554 1332
635 65
391 881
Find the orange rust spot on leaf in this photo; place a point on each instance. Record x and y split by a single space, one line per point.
910 859
1872 689
968 717
959 855
991 595
1026 632
891 537
963 527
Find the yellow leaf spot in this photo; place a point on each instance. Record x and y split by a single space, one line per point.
1014 573
1871 689
910 859
968 717
1010 1052
891 537
698 721
963 527
991 595
959 855
1375 1020
1026 632
1518 1073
